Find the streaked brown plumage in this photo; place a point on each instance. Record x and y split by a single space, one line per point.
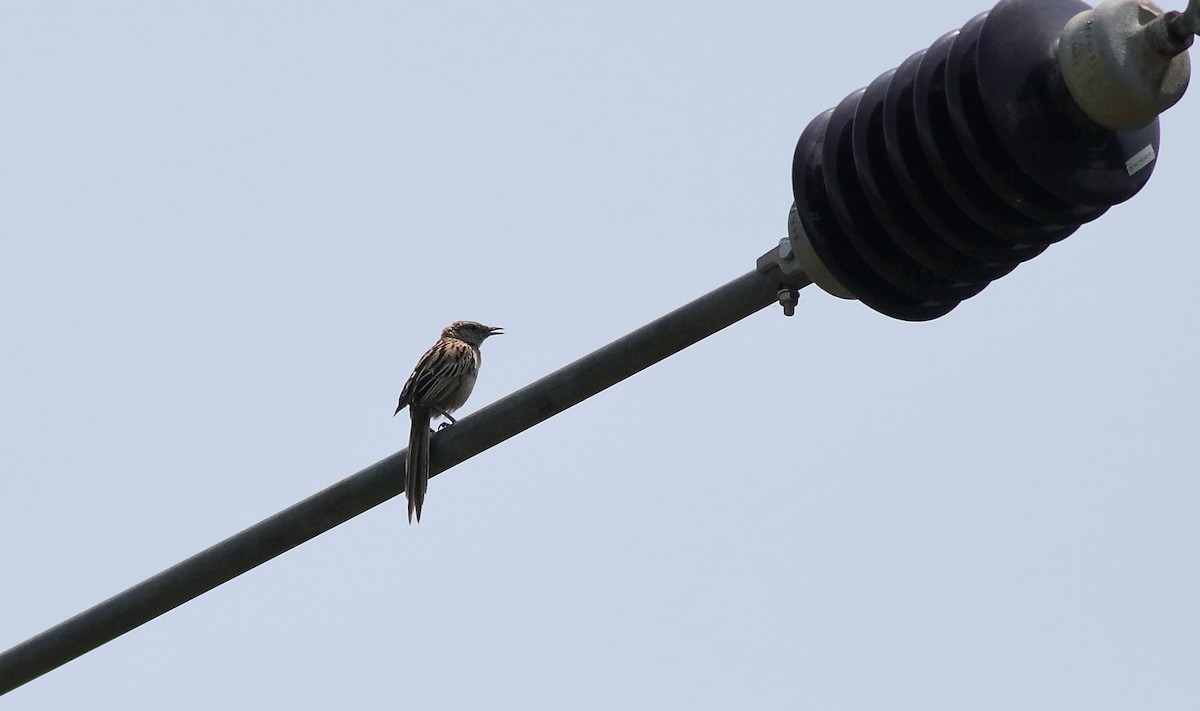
439 385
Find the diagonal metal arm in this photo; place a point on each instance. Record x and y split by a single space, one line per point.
384 479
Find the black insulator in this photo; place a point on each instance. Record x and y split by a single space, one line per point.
966 160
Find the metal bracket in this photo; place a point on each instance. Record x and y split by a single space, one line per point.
783 258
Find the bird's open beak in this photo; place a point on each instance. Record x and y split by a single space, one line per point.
495 330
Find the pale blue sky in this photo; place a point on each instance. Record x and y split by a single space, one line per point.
230 230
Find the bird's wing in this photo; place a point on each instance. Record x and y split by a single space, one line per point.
439 372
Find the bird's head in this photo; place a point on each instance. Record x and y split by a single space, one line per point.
471 332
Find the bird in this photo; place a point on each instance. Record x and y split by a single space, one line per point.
439 385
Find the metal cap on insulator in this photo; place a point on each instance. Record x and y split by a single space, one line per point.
1122 63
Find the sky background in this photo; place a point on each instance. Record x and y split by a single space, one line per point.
229 230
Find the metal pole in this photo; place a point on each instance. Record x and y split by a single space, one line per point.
383 480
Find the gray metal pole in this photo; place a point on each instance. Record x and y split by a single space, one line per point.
383 480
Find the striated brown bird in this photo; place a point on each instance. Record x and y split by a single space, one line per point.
439 385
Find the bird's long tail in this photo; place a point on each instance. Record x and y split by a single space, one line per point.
416 466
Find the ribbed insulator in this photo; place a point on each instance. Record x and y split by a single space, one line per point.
966 160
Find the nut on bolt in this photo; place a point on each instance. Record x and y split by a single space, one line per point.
788 298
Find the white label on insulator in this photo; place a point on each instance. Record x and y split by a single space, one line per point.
1140 160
